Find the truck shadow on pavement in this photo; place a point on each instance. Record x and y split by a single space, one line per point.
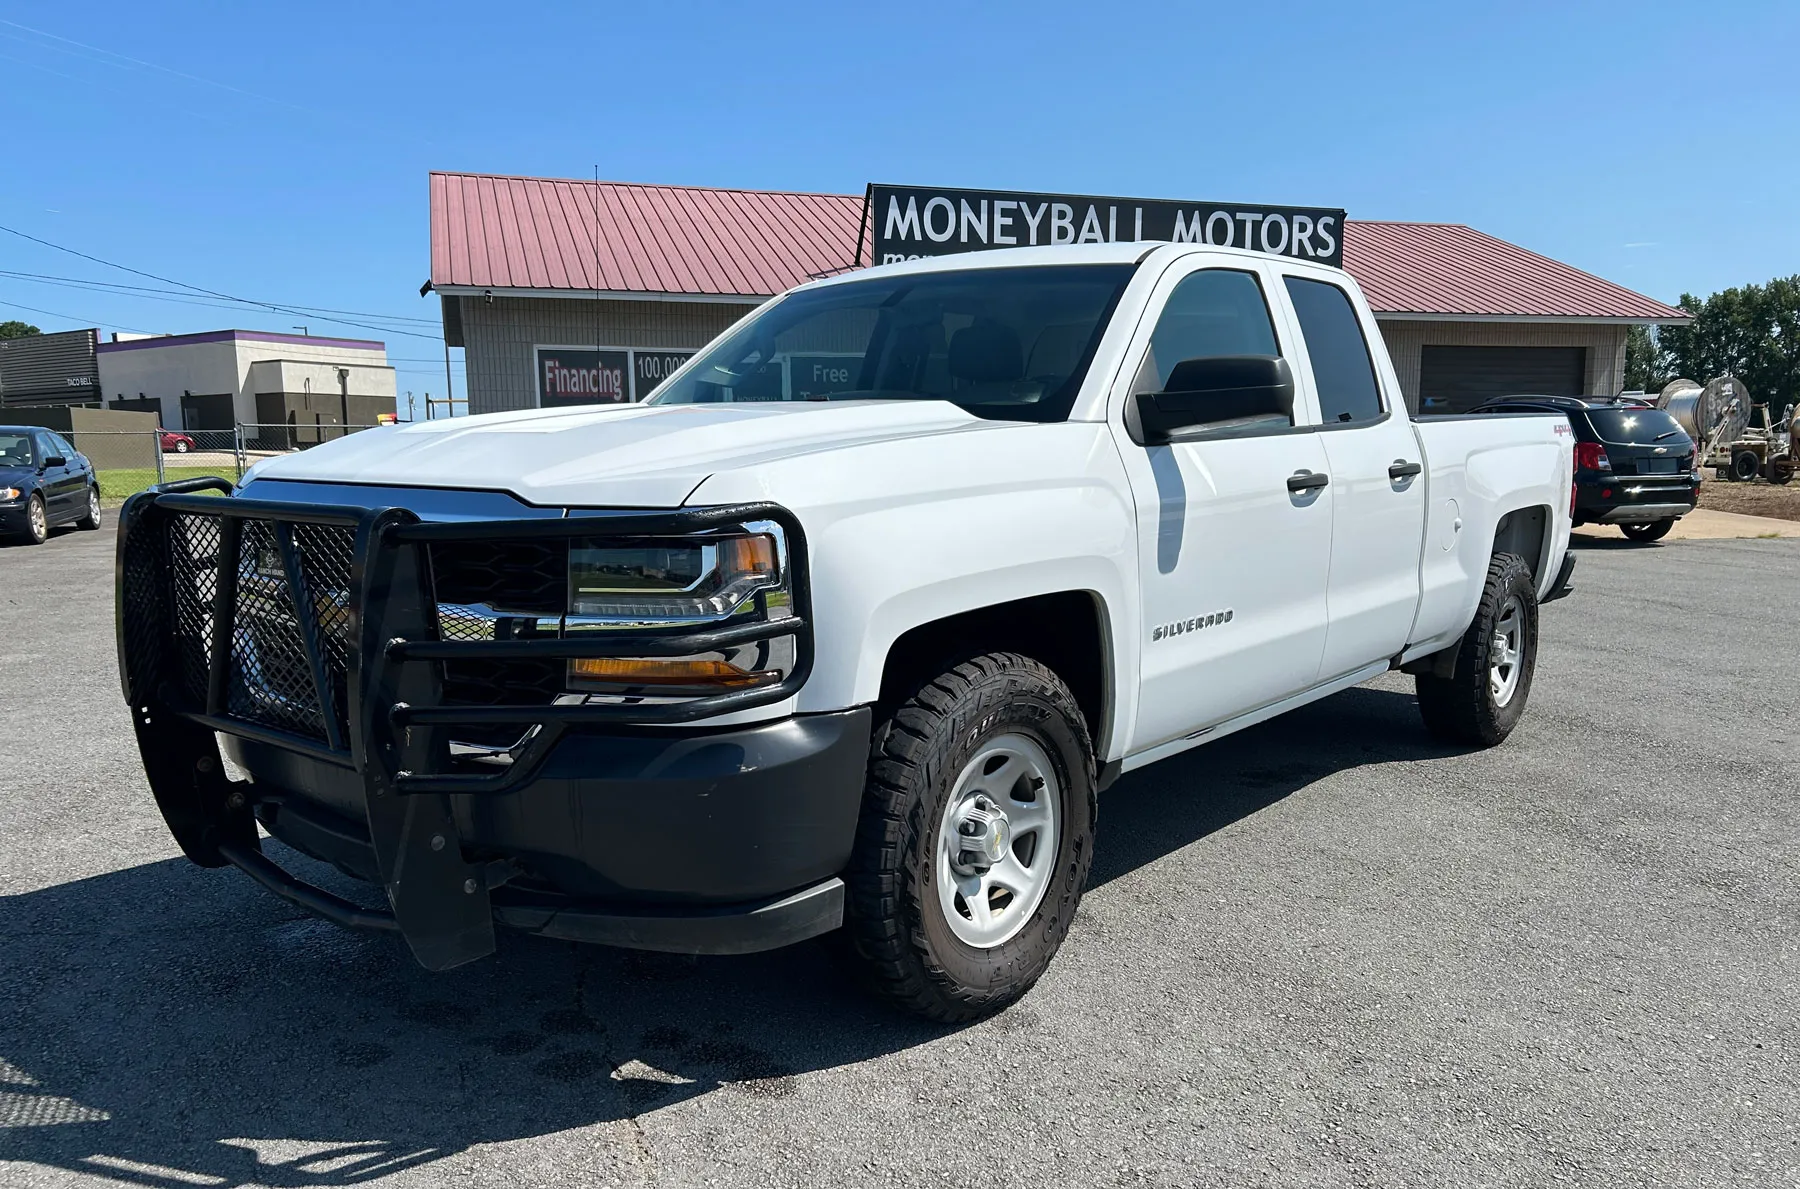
164 1025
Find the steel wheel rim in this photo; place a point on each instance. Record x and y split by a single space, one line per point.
987 906
40 523
1506 653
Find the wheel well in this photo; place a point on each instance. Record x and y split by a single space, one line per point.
1065 631
1523 533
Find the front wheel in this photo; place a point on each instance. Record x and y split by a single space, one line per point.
976 836
1656 530
181 447
1482 699
37 521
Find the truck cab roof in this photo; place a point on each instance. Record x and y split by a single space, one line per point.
1126 252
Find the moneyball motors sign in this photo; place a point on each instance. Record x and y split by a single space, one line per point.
914 221
586 376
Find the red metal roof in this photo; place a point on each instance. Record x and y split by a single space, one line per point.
538 233
493 232
1449 269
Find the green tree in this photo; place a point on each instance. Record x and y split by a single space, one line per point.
17 330
1752 332
1643 361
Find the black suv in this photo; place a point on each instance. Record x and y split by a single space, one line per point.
1634 465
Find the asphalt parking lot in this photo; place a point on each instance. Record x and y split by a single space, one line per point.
1326 951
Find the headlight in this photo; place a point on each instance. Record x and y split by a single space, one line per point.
10 493
691 582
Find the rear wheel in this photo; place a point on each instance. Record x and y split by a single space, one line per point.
91 520
1484 696
1781 470
1656 530
976 836
1745 466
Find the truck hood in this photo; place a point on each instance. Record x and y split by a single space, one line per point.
620 456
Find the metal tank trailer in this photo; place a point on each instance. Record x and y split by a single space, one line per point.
1717 416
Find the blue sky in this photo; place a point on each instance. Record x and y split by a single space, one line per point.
279 153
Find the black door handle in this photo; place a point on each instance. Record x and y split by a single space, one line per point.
1307 481
1403 469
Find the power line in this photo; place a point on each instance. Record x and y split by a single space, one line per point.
13 305
116 287
208 292
202 302
193 78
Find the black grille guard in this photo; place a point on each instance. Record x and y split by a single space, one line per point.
392 727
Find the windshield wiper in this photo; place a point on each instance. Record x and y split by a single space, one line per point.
1667 434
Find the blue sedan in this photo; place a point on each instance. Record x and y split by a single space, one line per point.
44 482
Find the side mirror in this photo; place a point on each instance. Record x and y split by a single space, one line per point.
56 460
1218 396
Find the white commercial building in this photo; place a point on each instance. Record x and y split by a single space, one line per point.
220 378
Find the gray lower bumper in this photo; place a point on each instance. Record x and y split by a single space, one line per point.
1645 513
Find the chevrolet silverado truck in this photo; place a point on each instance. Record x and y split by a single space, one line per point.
846 627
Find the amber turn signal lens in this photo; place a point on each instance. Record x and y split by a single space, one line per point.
643 671
747 555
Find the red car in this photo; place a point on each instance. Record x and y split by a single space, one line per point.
176 443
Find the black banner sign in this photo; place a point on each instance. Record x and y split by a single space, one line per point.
914 221
574 376
810 374
650 368
609 375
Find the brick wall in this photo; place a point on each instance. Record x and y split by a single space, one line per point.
499 337
1406 342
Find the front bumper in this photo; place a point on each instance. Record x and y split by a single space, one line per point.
692 842
610 820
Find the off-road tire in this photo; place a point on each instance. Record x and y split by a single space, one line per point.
1656 530
91 519
1461 708
894 921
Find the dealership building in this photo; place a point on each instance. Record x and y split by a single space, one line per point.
572 292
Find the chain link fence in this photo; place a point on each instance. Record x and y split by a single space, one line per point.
129 462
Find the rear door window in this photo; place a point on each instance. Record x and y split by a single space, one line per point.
1635 427
1343 373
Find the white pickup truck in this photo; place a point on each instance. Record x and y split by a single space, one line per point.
846 626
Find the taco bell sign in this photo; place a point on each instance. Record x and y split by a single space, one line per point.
914 221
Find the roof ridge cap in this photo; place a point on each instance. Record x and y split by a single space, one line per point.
523 177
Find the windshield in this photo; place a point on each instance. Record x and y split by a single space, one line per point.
15 449
1629 427
1007 343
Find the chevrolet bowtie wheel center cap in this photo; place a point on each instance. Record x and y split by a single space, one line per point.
982 836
